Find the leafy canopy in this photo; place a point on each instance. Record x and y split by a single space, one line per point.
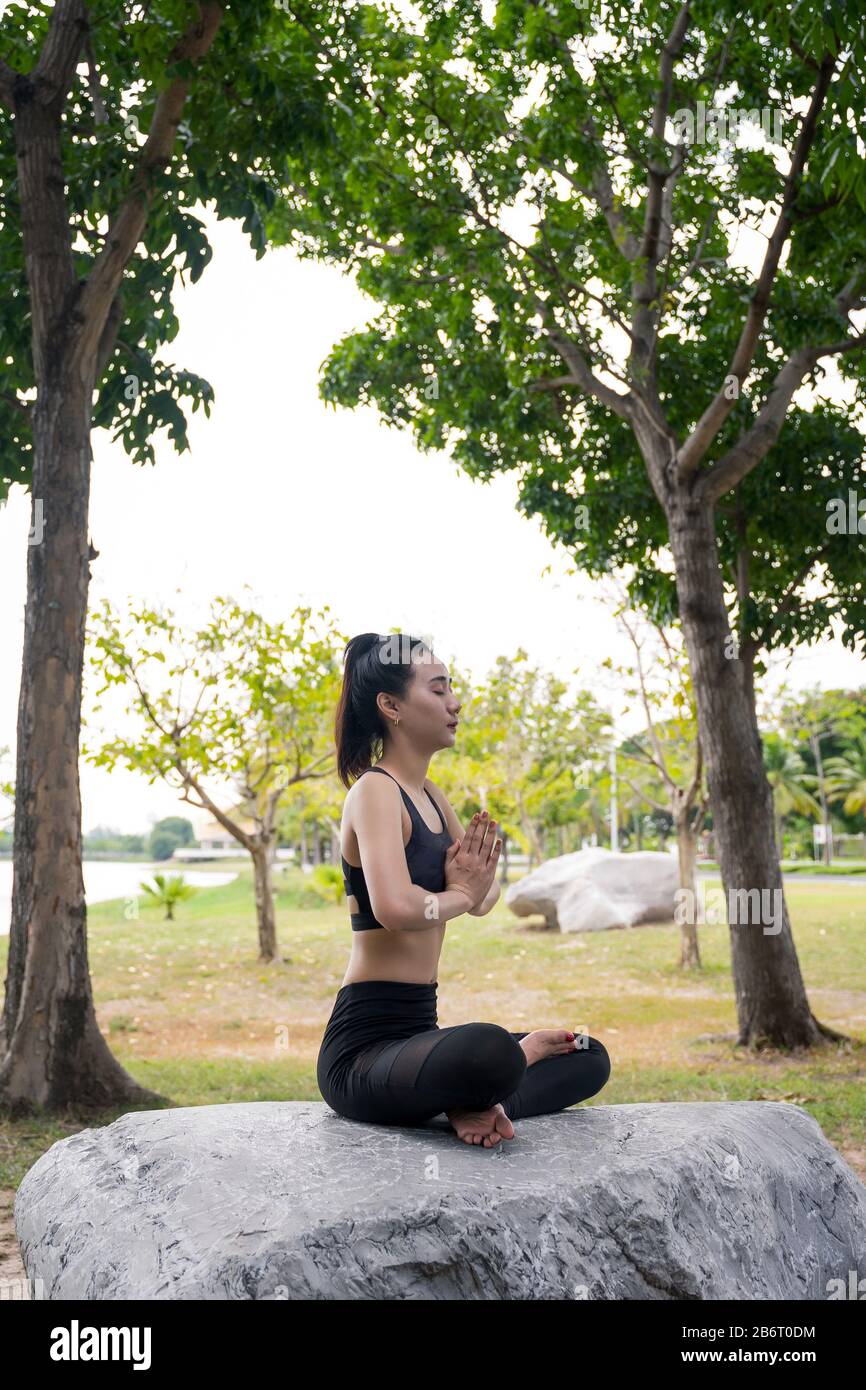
491 166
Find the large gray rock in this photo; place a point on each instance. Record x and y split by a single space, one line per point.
743 1200
597 889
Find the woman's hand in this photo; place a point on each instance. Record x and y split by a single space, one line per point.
470 863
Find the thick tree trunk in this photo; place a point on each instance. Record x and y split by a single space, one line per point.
265 913
771 999
55 1055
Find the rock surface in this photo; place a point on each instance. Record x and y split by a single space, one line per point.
274 1200
596 889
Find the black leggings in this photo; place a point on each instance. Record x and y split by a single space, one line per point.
384 1060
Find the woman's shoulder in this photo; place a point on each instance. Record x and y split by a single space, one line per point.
372 791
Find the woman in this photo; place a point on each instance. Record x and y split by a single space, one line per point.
409 868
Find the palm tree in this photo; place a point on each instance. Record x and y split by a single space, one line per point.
787 775
848 776
169 890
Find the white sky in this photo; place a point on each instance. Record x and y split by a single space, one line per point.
311 505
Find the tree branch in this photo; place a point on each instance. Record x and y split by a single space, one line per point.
54 72
759 439
657 235
581 374
645 796
653 733
9 77
708 426
192 784
124 232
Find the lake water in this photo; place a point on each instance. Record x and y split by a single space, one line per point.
108 878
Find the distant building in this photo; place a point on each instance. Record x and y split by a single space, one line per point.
215 842
214 836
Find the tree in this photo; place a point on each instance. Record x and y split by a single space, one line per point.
813 718
789 781
847 782
169 834
107 141
473 775
241 702
526 736
670 748
167 890
561 295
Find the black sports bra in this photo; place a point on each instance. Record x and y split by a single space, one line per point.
425 858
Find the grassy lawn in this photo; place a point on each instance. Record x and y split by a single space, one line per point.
190 1014
841 866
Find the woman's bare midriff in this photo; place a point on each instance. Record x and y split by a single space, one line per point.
411 957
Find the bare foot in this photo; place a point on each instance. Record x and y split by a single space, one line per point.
485 1127
547 1042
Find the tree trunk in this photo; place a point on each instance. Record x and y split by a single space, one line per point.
690 956
265 914
56 1055
536 849
772 1007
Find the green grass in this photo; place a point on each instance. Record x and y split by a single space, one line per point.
841 866
189 1011
807 866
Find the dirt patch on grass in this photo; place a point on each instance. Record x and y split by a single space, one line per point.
11 1266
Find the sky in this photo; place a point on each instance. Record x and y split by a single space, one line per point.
310 504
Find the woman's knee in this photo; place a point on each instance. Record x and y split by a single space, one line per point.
492 1057
498 1055
600 1069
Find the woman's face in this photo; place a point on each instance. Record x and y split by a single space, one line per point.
429 712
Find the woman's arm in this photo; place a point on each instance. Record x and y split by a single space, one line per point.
457 833
488 902
397 902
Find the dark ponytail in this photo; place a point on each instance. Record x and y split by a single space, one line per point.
372 662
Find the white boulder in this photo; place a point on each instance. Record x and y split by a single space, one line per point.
596 889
